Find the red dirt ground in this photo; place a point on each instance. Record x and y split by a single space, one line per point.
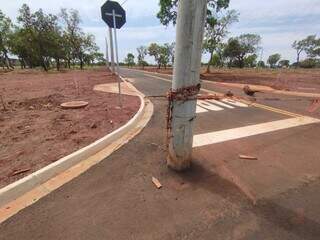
35 131
303 80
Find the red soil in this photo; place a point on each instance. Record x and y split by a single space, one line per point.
35 131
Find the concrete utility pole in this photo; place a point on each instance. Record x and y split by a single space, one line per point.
111 51
190 28
107 55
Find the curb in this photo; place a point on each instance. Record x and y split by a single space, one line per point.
17 189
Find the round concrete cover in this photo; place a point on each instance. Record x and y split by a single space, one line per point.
74 104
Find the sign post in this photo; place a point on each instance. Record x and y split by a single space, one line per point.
115 17
107 55
111 51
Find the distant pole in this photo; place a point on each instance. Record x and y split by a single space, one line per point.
117 55
189 36
107 55
111 50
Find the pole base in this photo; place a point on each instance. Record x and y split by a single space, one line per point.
178 165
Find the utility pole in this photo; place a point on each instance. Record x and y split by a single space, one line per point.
107 55
111 51
186 75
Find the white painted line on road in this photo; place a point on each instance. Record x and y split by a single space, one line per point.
201 110
221 104
236 133
163 79
234 103
209 106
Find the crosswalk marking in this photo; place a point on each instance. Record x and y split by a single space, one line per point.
209 106
221 104
251 130
234 103
215 105
200 110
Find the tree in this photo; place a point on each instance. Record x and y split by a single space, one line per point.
307 45
250 61
129 60
94 57
284 63
5 32
47 36
220 52
40 40
273 59
316 50
170 51
84 46
216 31
299 47
78 46
142 52
168 10
164 55
239 47
38 37
312 46
215 60
261 64
71 33
154 51
310 63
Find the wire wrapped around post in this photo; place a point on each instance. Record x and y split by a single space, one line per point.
181 94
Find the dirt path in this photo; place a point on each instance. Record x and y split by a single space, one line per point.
35 131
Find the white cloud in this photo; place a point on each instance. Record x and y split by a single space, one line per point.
267 10
89 9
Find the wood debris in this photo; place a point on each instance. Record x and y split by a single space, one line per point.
156 182
3 103
248 157
229 94
249 91
17 172
315 105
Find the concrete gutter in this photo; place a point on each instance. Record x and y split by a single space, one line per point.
16 196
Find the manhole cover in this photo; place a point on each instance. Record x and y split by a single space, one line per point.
74 104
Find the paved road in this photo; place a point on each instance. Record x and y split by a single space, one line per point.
214 200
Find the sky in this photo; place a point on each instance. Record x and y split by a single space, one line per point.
279 22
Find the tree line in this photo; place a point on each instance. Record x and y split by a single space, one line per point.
163 55
241 51
46 40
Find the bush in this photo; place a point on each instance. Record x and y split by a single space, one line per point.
310 63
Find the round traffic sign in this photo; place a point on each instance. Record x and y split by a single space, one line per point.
107 10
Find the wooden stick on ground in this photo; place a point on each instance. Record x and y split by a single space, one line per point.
156 182
248 157
3 103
